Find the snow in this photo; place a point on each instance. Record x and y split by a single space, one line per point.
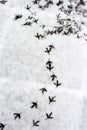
23 71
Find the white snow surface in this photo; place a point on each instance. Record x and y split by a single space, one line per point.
23 72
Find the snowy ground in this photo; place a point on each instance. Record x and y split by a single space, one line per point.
23 72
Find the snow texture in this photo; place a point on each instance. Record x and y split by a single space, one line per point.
23 70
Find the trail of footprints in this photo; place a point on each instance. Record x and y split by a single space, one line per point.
34 105
29 21
64 26
49 66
